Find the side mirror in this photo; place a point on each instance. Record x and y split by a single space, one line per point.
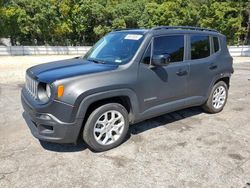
161 60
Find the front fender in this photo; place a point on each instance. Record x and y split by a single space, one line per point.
87 101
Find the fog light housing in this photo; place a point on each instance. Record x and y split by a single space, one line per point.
44 117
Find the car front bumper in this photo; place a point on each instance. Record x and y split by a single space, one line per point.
47 127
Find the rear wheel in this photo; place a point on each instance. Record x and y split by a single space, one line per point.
106 127
217 98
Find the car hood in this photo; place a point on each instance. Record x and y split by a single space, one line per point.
50 72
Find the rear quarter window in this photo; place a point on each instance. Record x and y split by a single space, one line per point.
200 46
216 44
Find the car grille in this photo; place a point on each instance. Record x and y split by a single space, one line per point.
31 86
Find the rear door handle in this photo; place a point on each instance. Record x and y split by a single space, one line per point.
181 72
212 67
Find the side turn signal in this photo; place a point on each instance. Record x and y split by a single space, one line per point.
60 90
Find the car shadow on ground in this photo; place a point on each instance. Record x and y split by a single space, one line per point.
80 146
135 129
164 120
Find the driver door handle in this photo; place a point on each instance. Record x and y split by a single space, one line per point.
181 72
212 67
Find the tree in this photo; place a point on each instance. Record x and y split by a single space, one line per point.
179 12
246 20
223 16
9 24
83 22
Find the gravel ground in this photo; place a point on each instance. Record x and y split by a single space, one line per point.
187 148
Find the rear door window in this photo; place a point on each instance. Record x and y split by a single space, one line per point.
200 46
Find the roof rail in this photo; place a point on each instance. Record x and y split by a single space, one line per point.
119 29
122 29
185 27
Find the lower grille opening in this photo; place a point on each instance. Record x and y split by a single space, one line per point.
34 123
45 128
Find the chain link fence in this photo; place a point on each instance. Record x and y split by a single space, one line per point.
235 51
43 50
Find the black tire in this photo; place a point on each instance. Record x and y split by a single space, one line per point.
208 106
88 131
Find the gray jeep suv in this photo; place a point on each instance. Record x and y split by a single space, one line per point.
126 77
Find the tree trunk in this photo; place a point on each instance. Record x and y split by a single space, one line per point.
247 36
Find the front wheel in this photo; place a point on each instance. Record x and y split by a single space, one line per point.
106 127
217 98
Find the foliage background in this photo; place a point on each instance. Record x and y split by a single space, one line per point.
83 22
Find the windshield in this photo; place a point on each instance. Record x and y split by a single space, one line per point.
117 48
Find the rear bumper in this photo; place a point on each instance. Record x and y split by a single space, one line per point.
45 126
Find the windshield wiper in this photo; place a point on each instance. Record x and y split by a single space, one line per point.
96 61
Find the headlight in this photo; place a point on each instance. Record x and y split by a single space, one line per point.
44 92
48 90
